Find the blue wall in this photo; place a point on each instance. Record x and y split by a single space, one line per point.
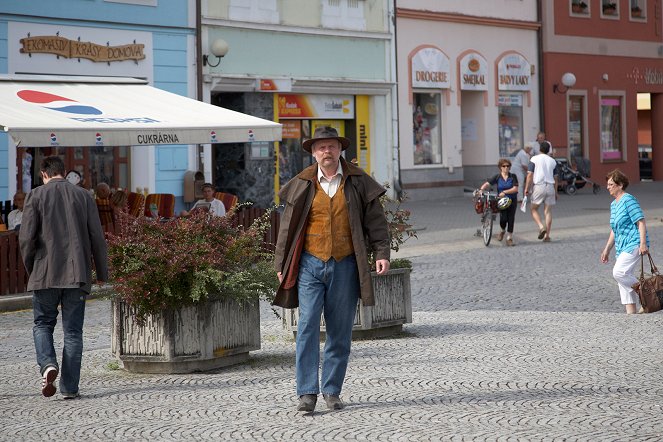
168 22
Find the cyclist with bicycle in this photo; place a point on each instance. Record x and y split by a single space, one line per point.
507 186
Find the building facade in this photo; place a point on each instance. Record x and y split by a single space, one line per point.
613 52
303 64
468 90
148 39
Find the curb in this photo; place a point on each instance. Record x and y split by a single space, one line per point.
23 301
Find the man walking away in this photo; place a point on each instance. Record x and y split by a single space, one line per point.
332 216
60 235
542 171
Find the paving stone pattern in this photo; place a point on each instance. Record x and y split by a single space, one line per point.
508 343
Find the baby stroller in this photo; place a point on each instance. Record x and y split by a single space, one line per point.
571 179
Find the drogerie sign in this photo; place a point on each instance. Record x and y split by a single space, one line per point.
63 47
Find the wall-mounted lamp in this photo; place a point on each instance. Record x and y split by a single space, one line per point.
219 49
568 80
605 77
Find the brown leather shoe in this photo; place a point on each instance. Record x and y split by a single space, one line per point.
333 402
500 236
509 242
307 402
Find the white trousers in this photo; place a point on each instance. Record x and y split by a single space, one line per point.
624 273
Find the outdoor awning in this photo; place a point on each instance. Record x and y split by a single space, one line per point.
40 111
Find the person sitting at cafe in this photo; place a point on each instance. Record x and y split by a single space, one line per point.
15 216
213 205
103 191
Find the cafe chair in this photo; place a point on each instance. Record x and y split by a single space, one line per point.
136 204
165 203
228 199
105 214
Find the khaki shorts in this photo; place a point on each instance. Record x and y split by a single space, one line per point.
544 193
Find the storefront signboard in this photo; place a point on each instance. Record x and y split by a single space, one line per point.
316 106
473 72
430 69
513 73
64 47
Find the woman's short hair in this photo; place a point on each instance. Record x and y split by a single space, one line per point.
618 178
503 162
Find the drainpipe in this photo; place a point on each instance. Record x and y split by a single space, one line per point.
539 33
394 103
199 74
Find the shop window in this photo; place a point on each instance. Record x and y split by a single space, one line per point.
612 148
510 114
638 9
579 7
610 8
427 136
256 11
343 14
576 126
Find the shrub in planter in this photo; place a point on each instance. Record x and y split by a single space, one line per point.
156 266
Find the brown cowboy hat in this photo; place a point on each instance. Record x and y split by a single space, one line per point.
325 133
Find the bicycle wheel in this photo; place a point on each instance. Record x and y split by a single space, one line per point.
487 227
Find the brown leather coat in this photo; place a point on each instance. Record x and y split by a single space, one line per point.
367 223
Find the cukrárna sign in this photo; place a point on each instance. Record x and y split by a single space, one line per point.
64 47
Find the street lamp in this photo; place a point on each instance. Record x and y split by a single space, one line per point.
219 49
568 80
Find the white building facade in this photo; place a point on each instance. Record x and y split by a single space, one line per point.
468 90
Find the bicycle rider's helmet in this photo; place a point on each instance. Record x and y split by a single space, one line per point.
503 203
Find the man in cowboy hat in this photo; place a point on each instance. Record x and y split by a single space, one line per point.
332 217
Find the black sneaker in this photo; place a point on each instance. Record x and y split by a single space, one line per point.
307 402
47 380
333 402
67 396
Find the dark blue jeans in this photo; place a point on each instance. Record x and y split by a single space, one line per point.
45 308
332 287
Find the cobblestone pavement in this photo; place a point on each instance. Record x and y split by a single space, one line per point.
508 343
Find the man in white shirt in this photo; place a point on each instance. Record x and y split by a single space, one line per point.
541 139
15 216
542 173
215 206
519 167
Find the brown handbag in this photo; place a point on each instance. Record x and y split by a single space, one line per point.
650 290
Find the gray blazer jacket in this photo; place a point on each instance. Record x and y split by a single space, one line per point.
60 234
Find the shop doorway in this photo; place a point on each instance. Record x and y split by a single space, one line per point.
472 128
645 145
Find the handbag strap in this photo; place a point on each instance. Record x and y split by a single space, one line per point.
654 270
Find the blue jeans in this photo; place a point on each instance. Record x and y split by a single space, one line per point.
333 287
45 308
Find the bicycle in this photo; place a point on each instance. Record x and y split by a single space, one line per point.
485 204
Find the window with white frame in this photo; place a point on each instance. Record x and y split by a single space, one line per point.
343 14
255 11
612 148
426 132
610 8
638 9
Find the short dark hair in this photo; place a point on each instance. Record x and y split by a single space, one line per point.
52 166
210 185
544 146
618 177
503 161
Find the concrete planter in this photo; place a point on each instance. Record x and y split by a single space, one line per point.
202 337
392 309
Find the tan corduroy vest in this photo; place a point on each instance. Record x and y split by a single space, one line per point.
328 230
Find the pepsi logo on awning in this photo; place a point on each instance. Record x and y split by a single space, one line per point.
57 102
